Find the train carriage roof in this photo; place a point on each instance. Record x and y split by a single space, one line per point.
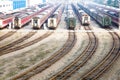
22 15
5 16
102 15
116 14
38 16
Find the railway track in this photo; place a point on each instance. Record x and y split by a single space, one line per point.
4 49
80 60
7 35
48 62
105 64
26 44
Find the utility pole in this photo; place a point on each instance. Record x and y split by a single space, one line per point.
119 13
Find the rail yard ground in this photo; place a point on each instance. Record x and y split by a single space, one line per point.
60 54
20 60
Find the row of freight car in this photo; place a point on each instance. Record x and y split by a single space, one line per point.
102 19
84 15
70 18
103 10
110 11
24 15
18 19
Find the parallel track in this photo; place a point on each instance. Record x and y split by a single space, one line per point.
7 35
8 48
50 61
105 64
3 50
80 60
26 44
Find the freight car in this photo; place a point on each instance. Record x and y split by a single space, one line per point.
38 20
55 18
84 18
111 12
102 19
114 16
71 20
24 18
5 20
52 21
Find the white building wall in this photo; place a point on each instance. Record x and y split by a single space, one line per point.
33 2
6 6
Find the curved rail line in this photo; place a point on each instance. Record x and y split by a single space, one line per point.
105 64
48 62
7 35
3 49
26 44
8 48
80 60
